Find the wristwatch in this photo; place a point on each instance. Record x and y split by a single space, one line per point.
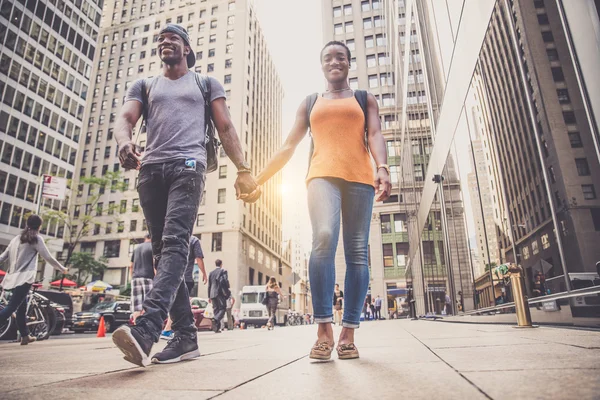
244 167
384 166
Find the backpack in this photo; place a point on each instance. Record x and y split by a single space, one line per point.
212 143
361 97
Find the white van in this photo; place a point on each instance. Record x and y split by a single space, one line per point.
253 312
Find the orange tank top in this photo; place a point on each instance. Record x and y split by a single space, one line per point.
338 130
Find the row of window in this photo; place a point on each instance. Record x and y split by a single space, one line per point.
32 29
365 6
37 112
153 5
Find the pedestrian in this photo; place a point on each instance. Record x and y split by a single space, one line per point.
218 293
372 307
22 255
171 182
341 183
338 303
230 321
378 305
448 307
367 310
273 291
142 274
195 256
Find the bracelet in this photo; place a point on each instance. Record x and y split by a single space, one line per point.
244 171
386 167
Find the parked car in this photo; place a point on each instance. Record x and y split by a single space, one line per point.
115 313
62 299
198 306
59 318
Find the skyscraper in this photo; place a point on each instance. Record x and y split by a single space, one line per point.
230 46
46 56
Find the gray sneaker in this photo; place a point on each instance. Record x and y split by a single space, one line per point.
180 348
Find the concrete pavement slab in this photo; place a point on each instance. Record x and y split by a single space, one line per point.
539 384
67 393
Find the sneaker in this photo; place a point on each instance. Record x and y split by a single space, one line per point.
167 335
215 326
135 343
180 348
25 340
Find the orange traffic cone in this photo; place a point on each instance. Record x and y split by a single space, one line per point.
101 328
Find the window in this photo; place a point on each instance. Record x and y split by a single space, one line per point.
350 44
348 9
388 255
221 218
569 117
369 42
217 241
349 27
354 83
222 194
337 29
557 74
589 193
543 19
367 23
373 81
200 220
211 52
552 54
228 63
563 96
386 224
223 171
596 218
112 248
337 12
400 223
365 6
212 38
547 36
575 139
227 79
583 169
135 205
381 40
371 61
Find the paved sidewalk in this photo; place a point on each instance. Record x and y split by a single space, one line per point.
399 359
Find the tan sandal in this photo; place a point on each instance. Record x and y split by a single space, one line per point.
347 351
321 351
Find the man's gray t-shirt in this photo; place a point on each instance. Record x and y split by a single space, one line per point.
195 252
143 264
175 121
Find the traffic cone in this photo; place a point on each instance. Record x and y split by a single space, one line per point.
101 328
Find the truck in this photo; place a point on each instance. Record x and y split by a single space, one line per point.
253 312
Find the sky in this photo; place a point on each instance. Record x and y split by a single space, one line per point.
294 44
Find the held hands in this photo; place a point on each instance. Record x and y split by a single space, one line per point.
129 156
382 185
246 188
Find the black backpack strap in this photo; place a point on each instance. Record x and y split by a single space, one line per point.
204 85
361 97
144 101
310 103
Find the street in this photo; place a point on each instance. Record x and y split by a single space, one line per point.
415 359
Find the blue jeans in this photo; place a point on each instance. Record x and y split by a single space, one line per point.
170 196
328 198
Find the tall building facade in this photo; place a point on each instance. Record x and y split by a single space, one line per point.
519 121
47 50
392 60
229 45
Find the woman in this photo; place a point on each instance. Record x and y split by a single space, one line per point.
341 181
22 253
273 292
338 303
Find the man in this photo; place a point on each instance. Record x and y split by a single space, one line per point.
142 273
378 304
171 182
196 256
448 302
230 321
218 293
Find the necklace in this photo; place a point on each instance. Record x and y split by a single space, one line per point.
338 90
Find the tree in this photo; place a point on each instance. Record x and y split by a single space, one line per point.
77 223
490 266
87 266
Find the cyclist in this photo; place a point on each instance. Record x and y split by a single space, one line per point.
22 253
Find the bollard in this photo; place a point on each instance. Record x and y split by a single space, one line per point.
521 305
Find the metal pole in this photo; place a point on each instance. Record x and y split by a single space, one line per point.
521 305
39 196
439 179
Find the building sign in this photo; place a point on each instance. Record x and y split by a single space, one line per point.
526 253
545 241
550 306
534 247
54 187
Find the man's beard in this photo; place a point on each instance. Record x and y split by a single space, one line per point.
174 60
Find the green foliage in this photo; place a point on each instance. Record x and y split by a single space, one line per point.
126 291
490 266
87 266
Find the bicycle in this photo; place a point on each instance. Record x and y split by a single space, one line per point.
40 321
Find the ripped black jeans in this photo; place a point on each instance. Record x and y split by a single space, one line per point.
170 195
